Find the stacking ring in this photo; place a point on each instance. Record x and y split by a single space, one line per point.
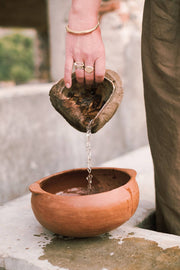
79 65
89 69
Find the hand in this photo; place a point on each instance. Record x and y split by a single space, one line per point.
88 49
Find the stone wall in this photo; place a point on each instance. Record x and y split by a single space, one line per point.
35 140
58 18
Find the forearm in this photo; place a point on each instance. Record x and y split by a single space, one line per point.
83 14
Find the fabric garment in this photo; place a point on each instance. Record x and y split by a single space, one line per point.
161 76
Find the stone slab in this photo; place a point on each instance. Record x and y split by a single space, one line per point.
26 245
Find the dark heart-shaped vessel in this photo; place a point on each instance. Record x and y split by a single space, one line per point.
82 105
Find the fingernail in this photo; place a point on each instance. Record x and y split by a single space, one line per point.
67 85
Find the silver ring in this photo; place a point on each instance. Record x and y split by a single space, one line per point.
89 69
79 65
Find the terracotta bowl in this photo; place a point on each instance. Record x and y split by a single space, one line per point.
59 205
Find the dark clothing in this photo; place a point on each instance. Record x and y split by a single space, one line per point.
161 75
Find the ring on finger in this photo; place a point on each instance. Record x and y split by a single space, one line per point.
89 69
79 65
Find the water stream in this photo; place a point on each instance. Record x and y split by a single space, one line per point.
83 190
89 158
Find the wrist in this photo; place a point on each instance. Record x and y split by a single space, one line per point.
80 20
82 32
84 14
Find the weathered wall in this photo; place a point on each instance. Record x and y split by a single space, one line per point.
58 18
35 140
123 54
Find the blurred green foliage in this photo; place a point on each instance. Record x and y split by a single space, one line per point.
16 58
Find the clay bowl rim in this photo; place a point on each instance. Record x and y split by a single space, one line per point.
35 188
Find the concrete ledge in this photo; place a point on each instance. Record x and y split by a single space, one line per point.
25 244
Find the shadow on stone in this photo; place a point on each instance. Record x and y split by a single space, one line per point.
149 222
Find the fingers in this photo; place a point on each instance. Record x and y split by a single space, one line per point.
79 70
100 69
68 71
89 76
86 49
97 74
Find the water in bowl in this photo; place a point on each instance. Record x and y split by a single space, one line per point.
76 191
